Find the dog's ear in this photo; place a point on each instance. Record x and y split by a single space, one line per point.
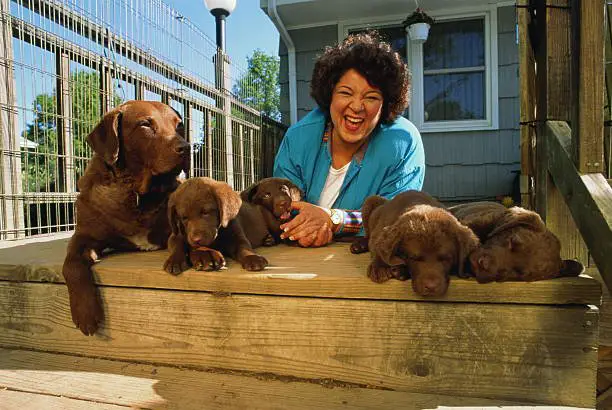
480 217
467 242
384 243
228 201
370 204
295 192
104 139
248 194
176 225
517 216
570 268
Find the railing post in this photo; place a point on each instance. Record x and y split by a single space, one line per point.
106 88
209 142
222 82
11 206
588 87
65 151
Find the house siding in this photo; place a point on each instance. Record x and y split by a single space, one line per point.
473 165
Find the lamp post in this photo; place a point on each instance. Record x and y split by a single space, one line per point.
220 9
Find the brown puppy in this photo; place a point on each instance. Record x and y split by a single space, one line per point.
139 149
413 232
515 244
205 221
265 206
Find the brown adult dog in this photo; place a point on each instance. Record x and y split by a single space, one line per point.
208 219
265 206
413 232
139 149
515 244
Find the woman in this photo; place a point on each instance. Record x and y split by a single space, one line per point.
356 144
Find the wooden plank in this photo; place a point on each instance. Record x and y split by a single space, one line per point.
589 198
542 354
66 169
11 400
330 271
588 24
559 220
162 387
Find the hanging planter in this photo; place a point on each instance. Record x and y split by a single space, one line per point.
417 26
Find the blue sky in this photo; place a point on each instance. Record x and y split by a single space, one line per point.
247 28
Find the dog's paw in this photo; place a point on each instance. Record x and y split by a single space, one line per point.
359 245
269 240
254 262
176 264
209 259
86 310
380 274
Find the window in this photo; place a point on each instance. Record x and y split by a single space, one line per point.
453 75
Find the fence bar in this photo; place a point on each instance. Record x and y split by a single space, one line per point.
66 169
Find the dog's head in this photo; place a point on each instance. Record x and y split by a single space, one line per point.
142 137
520 248
199 207
274 194
430 242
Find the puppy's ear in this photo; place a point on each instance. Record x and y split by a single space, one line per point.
480 217
571 268
104 139
384 242
176 225
467 242
370 204
295 193
517 216
248 194
228 201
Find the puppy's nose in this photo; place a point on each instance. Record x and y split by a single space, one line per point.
432 285
284 203
196 240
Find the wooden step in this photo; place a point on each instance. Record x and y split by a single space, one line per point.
314 316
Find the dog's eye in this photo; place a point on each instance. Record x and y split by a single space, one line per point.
204 212
416 258
144 123
267 195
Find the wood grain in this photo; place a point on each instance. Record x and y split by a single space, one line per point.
331 271
543 354
11 400
162 387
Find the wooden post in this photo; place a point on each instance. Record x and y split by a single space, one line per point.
551 27
11 208
66 169
106 88
190 132
209 143
223 82
139 89
587 84
527 76
252 157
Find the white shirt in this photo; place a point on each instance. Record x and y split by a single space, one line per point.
333 183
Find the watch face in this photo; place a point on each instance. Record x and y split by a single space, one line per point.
336 218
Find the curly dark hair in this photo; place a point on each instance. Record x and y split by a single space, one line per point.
373 58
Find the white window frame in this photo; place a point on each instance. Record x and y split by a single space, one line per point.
415 60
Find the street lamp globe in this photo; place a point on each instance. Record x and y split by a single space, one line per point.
226 6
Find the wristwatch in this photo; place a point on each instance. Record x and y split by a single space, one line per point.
337 218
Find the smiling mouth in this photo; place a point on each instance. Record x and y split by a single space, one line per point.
352 123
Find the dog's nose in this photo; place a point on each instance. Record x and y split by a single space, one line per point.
182 148
432 285
284 203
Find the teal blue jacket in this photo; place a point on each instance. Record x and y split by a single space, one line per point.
393 162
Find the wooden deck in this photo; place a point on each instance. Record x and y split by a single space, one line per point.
309 332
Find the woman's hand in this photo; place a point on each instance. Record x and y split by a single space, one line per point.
311 227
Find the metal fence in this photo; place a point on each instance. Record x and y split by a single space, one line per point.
64 63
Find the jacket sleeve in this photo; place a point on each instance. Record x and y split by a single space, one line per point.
407 173
284 164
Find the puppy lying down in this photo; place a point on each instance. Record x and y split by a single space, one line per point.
413 236
515 244
209 220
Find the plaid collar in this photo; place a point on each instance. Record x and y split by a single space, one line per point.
358 156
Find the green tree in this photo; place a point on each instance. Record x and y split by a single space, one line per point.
40 164
259 86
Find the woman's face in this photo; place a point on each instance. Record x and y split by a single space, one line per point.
355 107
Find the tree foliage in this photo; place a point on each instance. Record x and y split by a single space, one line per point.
40 163
259 86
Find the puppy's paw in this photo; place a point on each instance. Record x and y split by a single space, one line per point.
176 263
86 310
359 245
207 260
269 240
254 263
380 274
